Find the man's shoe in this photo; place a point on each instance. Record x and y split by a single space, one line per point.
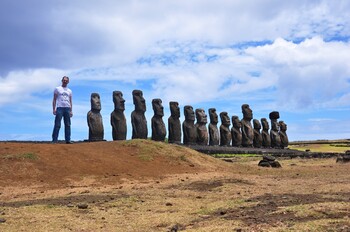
69 142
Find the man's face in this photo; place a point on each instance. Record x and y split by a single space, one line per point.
95 101
65 81
119 102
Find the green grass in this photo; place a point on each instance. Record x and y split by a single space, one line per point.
30 156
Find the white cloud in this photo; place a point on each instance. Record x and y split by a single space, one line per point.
18 86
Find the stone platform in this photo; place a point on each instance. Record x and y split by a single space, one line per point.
288 153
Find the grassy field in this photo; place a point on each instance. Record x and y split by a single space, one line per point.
303 195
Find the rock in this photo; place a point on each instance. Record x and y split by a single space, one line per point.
275 164
269 158
343 159
82 206
264 163
2 220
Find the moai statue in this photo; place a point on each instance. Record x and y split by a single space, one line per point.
138 119
225 133
188 128
266 139
236 132
202 131
257 142
158 126
94 119
214 136
118 120
283 134
247 129
274 135
174 124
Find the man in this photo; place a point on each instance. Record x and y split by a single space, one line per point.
62 107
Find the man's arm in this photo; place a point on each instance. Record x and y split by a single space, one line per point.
54 103
71 105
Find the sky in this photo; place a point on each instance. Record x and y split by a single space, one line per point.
286 56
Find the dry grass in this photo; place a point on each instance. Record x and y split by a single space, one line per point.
304 195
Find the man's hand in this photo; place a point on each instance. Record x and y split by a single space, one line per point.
71 114
54 112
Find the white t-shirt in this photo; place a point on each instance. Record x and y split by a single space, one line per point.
63 96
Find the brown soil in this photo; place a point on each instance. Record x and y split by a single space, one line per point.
141 185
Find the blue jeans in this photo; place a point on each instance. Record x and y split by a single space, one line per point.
65 113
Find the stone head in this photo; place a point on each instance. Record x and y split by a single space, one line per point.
236 123
256 124
189 113
119 102
265 124
158 107
225 119
95 102
174 109
139 101
213 116
283 126
201 116
247 112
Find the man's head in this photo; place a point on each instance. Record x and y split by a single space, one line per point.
119 102
65 81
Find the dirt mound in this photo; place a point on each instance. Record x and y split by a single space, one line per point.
103 162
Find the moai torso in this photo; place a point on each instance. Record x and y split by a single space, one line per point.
214 136
188 128
225 133
94 119
236 132
283 134
266 139
257 142
274 135
138 119
158 126
118 120
202 131
247 129
174 124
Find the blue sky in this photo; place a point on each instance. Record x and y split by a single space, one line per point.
289 56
